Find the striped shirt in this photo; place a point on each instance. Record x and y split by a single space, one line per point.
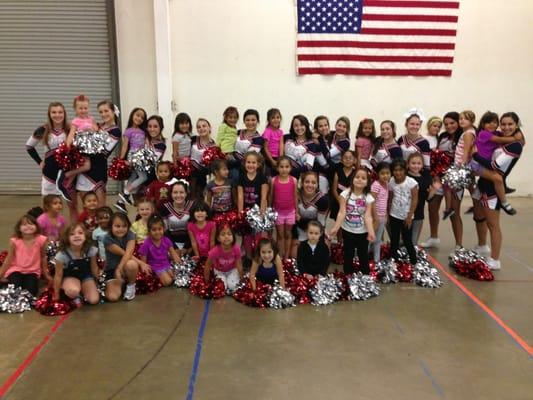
460 148
382 198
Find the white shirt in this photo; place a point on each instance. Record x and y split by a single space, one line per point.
356 206
401 197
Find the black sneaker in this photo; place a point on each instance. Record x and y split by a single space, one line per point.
447 213
508 208
126 198
470 210
121 207
60 185
509 190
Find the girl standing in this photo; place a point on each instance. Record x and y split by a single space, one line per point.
415 166
385 147
220 194
266 266
403 200
26 256
355 219
380 192
181 138
76 267
201 230
342 179
364 142
199 145
273 137
284 194
51 221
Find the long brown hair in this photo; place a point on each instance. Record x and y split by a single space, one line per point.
64 241
49 125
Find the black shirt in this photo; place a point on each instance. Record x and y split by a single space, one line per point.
313 262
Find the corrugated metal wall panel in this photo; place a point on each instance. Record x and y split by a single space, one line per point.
49 51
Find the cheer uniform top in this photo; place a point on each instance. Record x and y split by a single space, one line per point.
245 143
336 147
386 153
197 152
301 154
315 208
176 222
159 147
418 145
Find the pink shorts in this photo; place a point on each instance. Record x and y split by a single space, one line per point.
286 217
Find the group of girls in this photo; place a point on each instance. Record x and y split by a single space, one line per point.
375 186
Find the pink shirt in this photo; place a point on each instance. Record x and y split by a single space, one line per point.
202 236
364 147
283 194
382 197
224 261
273 138
48 228
26 259
83 124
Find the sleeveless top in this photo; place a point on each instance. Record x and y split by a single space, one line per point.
283 193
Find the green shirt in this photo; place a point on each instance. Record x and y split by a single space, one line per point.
226 138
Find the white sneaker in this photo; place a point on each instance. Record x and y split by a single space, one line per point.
129 294
454 250
493 264
482 250
431 242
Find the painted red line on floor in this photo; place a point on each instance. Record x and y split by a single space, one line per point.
26 363
521 342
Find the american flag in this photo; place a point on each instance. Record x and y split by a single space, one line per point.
376 37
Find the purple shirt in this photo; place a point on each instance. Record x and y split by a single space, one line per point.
156 257
136 139
485 147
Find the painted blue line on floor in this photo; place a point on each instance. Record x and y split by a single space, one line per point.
434 383
199 343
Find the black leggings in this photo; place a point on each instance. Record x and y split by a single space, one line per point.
30 282
398 226
350 242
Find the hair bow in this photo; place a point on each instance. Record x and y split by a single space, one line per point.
415 111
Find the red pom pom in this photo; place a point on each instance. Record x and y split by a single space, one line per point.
183 168
213 289
345 287
440 161
299 285
46 305
211 154
68 158
405 271
257 298
119 169
237 221
385 251
3 256
477 270
146 283
337 256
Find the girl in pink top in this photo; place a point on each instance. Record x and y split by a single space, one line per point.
26 257
51 221
283 198
380 191
201 231
364 142
225 259
273 136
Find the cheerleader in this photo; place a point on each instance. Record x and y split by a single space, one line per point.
155 141
95 180
199 144
386 148
248 139
412 141
321 128
339 142
51 134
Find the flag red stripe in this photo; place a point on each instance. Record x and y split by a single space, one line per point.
375 45
418 32
364 71
417 4
415 18
368 58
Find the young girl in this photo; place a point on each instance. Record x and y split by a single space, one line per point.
415 166
225 259
120 263
434 125
181 138
145 209
313 254
342 179
364 142
273 137
386 148
76 267
158 192
96 178
51 221
266 266
251 190
299 146
157 249
248 139
176 214
200 144
26 256
227 131
380 192
88 215
103 217
201 231
487 141
403 199
412 141
284 195
355 219
339 142
220 194
133 140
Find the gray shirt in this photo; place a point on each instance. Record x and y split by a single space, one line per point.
112 260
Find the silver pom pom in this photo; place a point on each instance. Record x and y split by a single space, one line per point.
458 178
143 160
101 285
261 223
280 298
92 142
15 299
51 251
362 287
426 275
387 271
183 271
327 290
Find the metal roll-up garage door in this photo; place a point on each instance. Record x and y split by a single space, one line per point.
49 51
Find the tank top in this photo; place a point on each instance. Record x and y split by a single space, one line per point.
266 275
460 148
284 194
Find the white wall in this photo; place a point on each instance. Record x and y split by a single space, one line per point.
242 53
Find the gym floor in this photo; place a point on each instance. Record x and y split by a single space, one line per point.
466 340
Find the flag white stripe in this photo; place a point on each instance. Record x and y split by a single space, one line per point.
372 65
410 11
409 25
378 52
376 38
